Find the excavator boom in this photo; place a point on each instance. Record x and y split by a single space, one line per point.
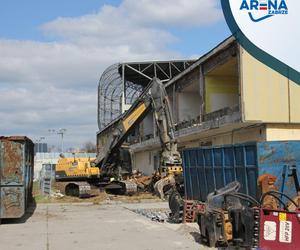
111 139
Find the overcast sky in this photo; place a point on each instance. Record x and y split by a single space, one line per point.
52 54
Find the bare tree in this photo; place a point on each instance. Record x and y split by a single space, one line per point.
89 147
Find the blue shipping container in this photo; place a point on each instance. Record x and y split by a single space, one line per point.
209 168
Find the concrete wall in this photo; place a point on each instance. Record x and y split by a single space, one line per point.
193 144
267 96
188 106
220 92
38 164
264 132
236 136
282 132
146 161
147 125
294 102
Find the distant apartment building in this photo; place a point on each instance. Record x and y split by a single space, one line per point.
40 147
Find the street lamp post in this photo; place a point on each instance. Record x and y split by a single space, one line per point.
60 132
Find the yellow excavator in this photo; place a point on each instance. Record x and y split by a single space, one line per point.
112 167
110 141
77 176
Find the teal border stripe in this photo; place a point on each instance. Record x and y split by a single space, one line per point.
256 52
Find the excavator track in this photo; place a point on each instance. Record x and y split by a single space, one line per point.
80 189
122 188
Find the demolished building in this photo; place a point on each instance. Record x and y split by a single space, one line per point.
225 97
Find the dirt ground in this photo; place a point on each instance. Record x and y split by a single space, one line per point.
97 197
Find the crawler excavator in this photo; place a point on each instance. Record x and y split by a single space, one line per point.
110 142
76 176
113 158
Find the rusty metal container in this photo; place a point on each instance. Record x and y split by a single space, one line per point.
16 175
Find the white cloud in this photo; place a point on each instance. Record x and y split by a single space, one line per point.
54 84
173 12
133 20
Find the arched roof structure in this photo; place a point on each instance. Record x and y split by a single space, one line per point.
122 83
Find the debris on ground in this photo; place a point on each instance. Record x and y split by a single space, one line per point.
145 183
157 214
57 194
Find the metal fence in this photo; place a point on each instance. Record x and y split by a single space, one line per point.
46 186
47 176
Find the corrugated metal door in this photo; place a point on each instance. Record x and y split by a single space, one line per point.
207 169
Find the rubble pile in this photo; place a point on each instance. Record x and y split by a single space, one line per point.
159 214
144 183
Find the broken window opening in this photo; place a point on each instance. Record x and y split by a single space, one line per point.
222 88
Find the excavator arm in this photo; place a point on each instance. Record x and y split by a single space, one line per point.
170 157
111 139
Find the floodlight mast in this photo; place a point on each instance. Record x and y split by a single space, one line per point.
60 132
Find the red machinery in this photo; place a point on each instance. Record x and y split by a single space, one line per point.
232 219
279 230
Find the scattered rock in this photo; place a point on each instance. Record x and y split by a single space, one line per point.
159 215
